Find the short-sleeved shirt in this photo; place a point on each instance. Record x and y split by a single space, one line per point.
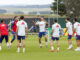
42 26
69 26
56 27
22 25
77 27
4 29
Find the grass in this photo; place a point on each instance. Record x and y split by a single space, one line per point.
33 52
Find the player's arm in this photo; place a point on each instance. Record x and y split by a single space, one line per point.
60 33
35 23
74 30
27 32
52 32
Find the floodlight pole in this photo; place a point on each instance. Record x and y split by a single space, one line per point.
57 9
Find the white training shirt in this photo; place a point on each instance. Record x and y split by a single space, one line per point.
56 27
77 27
42 25
69 26
22 25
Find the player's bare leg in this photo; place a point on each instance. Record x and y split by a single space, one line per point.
46 41
40 43
70 44
57 45
18 46
24 46
0 46
78 45
52 47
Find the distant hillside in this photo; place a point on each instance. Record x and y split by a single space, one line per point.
28 9
28 6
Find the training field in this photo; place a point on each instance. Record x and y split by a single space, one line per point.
33 52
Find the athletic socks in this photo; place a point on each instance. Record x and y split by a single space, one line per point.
0 48
23 50
18 50
52 47
57 48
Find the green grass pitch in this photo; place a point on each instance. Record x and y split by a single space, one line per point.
33 52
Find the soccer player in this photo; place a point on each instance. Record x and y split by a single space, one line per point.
13 28
21 28
42 30
56 29
3 33
69 28
77 30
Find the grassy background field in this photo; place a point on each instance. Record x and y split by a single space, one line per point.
33 52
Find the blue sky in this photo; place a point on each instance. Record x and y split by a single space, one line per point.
25 2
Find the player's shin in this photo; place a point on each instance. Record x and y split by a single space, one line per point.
46 41
24 46
18 47
40 43
0 47
58 46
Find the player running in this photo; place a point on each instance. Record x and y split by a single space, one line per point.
69 28
3 33
21 28
56 29
42 30
13 28
77 30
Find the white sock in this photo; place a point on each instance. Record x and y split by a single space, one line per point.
70 46
0 48
40 44
18 50
57 48
23 49
7 44
52 47
46 43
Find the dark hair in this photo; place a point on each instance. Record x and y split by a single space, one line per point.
15 17
42 16
2 21
75 19
55 20
21 17
67 19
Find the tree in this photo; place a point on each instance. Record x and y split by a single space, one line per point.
61 7
72 7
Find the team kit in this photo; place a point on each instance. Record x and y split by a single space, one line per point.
19 30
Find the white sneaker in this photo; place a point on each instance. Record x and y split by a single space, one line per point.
77 49
69 48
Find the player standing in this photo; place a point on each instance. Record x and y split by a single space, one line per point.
42 30
56 29
22 28
77 30
69 28
13 28
3 33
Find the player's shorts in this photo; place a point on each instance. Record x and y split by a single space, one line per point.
42 34
55 38
69 36
21 37
77 37
34 30
2 37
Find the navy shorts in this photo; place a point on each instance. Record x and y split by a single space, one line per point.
42 34
55 38
21 37
69 36
77 37
2 37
